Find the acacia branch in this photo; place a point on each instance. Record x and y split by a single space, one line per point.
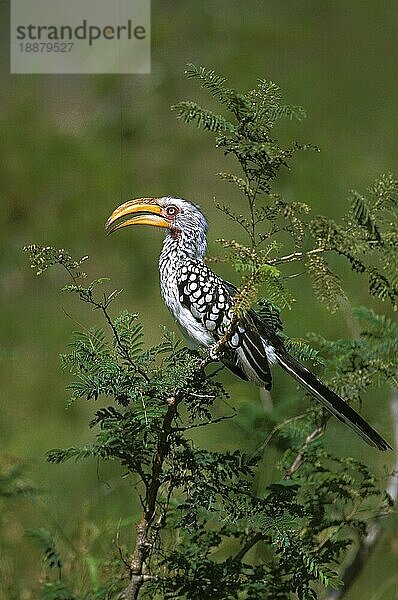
209 422
300 457
119 342
103 306
144 542
294 256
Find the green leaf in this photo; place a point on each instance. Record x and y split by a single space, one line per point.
326 284
205 119
212 82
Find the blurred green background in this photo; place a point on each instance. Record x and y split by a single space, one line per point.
74 147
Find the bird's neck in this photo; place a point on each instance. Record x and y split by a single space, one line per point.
182 246
176 252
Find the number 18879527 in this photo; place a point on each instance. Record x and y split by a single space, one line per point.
46 46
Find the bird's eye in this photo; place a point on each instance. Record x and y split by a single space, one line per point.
171 211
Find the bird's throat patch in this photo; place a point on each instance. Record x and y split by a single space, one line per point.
175 233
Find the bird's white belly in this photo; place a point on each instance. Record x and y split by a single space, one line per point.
194 332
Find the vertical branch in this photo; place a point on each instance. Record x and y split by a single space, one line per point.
251 197
144 539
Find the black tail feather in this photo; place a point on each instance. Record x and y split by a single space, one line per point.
330 400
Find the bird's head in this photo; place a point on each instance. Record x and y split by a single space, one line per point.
184 221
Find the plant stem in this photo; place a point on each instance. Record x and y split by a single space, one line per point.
294 256
144 543
299 459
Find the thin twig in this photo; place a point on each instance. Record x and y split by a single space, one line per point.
275 430
294 256
119 342
299 459
103 307
210 422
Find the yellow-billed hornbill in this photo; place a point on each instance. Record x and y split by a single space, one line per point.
202 306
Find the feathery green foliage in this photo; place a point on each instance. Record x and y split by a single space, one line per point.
367 236
207 530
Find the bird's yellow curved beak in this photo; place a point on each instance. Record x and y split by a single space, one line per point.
145 211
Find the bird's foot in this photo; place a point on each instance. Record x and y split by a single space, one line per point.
213 351
212 355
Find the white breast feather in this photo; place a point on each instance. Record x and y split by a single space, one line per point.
193 331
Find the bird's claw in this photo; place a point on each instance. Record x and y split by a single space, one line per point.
213 352
212 355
